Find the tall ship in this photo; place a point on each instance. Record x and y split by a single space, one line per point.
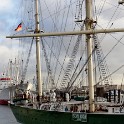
70 91
5 82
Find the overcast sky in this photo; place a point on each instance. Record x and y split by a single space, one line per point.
111 14
7 12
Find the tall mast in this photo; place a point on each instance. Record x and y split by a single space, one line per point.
38 60
88 26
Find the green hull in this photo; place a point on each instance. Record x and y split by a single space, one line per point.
33 116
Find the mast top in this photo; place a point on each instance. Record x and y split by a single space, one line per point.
121 2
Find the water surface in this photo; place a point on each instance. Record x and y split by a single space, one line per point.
6 116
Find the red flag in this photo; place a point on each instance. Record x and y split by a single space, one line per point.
19 27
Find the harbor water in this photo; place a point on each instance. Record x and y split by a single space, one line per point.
6 116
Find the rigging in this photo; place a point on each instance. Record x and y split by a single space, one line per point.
103 68
51 81
27 61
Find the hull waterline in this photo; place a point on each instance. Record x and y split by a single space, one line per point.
34 116
3 102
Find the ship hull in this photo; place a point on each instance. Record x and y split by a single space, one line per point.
4 96
34 116
3 102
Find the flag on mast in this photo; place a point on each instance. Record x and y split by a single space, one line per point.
19 27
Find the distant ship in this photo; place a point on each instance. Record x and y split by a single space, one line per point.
4 90
9 83
8 91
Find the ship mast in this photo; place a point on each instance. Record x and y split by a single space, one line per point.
88 26
38 60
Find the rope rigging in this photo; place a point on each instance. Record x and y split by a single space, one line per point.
106 77
70 66
54 54
55 26
74 73
28 7
70 87
51 81
61 38
64 59
69 72
103 68
27 61
110 74
98 15
71 61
